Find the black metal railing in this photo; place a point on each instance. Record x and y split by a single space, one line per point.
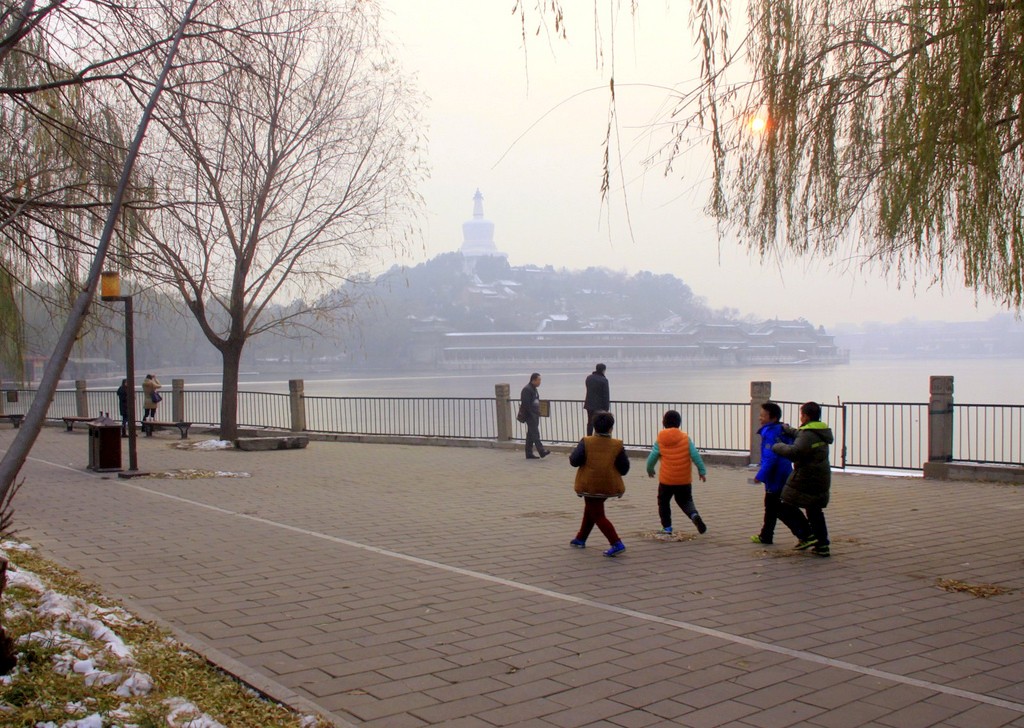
891 435
455 417
263 409
202 406
711 425
989 433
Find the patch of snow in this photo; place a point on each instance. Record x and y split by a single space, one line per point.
192 717
214 445
63 608
138 683
25 579
15 546
55 638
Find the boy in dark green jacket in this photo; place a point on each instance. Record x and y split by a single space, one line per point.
809 483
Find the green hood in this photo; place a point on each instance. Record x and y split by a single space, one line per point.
820 429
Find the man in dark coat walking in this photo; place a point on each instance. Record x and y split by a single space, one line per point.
529 403
598 398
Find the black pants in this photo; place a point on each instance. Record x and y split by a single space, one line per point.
533 436
775 510
683 495
813 524
590 421
819 529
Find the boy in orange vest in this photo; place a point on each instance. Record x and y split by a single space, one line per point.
678 455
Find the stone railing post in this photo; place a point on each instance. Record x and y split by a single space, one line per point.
940 426
760 392
297 404
503 412
82 400
178 400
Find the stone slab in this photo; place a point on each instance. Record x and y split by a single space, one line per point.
264 444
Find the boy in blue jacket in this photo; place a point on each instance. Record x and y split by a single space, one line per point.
773 473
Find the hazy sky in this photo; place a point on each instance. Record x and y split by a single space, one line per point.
527 131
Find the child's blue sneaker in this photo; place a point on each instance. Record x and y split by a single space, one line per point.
578 543
617 548
667 529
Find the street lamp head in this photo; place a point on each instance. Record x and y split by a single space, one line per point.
110 285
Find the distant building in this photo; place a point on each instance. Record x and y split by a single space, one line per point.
789 342
478 234
570 338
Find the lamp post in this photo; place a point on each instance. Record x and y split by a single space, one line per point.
110 290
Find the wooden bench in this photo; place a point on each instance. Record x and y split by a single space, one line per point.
149 425
15 420
69 422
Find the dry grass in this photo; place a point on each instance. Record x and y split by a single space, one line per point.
37 691
196 474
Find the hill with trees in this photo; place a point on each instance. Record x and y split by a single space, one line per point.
384 317
450 293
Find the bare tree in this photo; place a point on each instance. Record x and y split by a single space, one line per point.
297 162
73 76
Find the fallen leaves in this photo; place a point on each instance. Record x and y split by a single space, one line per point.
983 591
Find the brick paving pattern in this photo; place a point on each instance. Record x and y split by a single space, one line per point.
396 585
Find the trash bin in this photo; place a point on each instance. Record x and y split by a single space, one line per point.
104 444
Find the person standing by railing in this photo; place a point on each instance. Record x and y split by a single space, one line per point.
122 406
151 398
598 398
808 486
529 403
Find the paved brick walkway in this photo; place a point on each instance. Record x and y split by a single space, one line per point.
394 585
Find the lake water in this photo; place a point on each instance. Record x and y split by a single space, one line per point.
976 381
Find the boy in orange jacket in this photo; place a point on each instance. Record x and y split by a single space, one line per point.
678 455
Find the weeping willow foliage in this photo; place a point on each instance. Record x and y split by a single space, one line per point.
893 128
61 151
893 131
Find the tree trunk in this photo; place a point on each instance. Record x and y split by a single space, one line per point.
231 355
